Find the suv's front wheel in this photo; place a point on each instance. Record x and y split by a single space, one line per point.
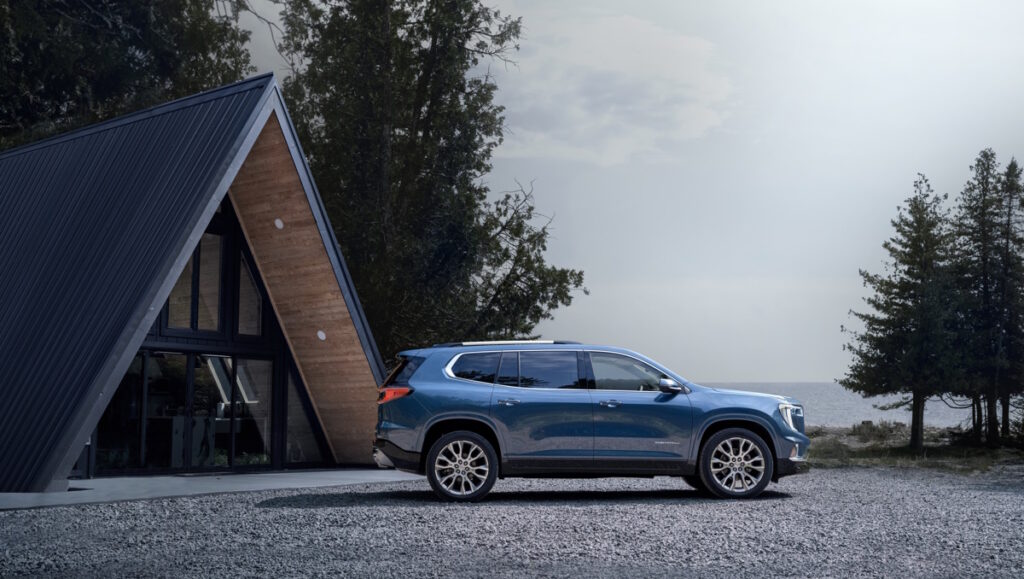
735 463
462 466
694 481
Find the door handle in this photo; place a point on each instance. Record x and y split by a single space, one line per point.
508 402
610 403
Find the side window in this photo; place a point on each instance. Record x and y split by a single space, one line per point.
549 370
508 371
616 372
477 367
403 372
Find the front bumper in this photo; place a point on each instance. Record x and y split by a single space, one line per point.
387 455
792 456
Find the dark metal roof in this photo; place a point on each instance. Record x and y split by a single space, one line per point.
95 227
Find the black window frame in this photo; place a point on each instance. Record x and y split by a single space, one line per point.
270 345
219 228
501 359
234 292
233 244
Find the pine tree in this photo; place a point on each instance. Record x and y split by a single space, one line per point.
1010 291
907 343
399 123
980 271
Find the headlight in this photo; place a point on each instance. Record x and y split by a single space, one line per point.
788 411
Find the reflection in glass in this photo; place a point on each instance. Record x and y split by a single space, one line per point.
252 415
477 367
211 412
209 282
615 372
508 371
250 307
119 432
301 441
548 370
166 411
179 305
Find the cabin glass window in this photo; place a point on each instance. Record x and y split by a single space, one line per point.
209 283
250 306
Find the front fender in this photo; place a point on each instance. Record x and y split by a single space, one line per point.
734 415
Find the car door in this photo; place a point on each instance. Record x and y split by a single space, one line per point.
544 412
637 427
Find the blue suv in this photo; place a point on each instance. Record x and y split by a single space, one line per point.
469 413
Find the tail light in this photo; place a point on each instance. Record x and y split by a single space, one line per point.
389 393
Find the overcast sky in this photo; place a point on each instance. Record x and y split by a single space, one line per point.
720 170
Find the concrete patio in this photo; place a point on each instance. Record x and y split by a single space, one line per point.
106 490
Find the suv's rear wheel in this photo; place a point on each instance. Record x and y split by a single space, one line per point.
736 464
462 466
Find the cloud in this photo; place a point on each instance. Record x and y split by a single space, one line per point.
608 89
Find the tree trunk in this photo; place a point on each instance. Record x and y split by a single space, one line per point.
384 183
1006 415
917 421
992 412
976 418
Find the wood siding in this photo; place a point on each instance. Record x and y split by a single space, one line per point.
305 294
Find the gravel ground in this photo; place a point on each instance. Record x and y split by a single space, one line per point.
841 522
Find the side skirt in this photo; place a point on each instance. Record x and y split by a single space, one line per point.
576 468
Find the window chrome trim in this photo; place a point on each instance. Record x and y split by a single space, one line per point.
506 343
450 374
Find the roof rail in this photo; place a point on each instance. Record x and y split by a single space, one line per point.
501 343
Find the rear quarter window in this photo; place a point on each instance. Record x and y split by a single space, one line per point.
477 367
404 371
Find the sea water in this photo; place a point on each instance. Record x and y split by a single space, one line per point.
829 404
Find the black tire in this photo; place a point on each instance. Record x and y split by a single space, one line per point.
741 484
694 481
463 481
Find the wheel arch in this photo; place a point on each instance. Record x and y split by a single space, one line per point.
443 426
757 425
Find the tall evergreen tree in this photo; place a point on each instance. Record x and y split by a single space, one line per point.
907 343
399 123
66 63
1010 291
979 253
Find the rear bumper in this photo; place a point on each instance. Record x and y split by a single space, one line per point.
789 466
387 455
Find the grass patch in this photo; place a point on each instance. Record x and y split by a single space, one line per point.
962 459
886 444
829 452
884 431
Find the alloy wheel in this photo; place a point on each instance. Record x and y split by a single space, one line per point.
737 464
461 467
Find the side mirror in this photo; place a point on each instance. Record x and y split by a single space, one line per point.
669 386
